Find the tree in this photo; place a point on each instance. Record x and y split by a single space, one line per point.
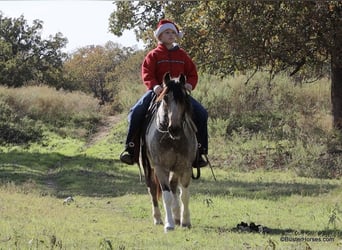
91 69
25 56
301 37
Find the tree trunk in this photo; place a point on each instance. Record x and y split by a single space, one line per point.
336 77
336 95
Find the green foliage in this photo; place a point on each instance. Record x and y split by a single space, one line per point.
92 69
127 17
277 126
25 110
16 130
302 38
259 108
232 35
129 86
25 56
255 122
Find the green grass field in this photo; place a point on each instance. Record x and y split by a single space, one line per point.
291 208
112 209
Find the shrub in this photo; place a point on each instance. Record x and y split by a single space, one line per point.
254 122
16 130
33 105
270 125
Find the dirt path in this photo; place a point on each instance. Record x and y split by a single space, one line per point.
104 129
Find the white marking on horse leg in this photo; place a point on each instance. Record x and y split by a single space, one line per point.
167 200
185 197
176 208
156 216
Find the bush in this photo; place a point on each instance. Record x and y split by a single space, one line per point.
277 125
254 122
30 106
16 130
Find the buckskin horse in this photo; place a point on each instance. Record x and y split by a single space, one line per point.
168 149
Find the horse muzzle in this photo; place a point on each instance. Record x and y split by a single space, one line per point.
175 132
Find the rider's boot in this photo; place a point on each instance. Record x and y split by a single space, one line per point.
200 162
127 156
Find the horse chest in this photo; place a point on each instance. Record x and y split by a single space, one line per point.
169 147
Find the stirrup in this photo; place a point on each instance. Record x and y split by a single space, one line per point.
127 158
199 169
200 162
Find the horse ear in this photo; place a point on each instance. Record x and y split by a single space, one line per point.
167 77
182 79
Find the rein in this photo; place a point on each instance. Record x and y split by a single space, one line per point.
167 132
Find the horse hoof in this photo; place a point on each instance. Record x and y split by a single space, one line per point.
177 222
168 229
158 223
186 226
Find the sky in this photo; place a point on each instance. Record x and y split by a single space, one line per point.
81 22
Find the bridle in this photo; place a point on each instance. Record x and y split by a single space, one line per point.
162 127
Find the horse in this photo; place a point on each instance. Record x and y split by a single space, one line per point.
168 150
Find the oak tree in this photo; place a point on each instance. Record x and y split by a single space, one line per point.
25 56
303 38
91 69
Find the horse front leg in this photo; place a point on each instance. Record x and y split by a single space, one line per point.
153 188
185 198
185 211
175 200
155 207
167 201
168 197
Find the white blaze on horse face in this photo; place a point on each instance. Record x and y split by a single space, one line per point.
175 114
171 106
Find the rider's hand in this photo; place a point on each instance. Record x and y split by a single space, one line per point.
188 86
157 89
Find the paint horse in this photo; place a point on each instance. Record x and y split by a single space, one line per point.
168 149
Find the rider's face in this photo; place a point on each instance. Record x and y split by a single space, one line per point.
168 36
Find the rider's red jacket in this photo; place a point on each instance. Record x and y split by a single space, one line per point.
161 60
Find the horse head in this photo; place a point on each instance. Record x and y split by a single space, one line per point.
175 105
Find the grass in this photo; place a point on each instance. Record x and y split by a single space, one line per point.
287 205
112 209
